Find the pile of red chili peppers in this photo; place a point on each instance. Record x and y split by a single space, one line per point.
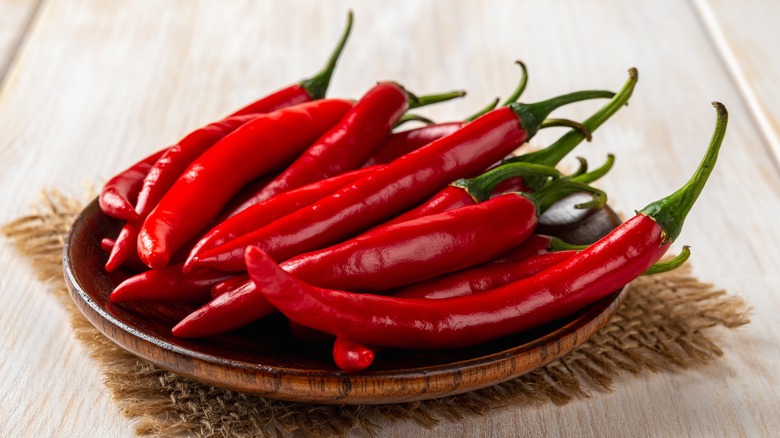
368 236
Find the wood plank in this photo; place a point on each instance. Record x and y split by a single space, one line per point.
14 22
100 83
746 35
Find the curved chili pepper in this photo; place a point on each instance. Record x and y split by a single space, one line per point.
168 284
413 251
538 244
228 285
116 197
313 88
265 144
161 176
225 313
483 277
554 293
354 356
265 212
353 140
133 263
402 254
451 197
397 186
401 143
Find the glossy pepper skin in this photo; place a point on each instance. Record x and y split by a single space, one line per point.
160 177
347 145
399 185
457 195
353 356
469 320
168 284
398 255
133 263
416 250
482 278
117 195
401 143
265 212
447 199
265 144
604 267
224 313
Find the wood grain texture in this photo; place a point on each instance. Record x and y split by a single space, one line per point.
15 19
100 83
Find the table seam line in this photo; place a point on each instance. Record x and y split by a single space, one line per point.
707 19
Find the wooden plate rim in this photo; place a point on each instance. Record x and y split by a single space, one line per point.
569 335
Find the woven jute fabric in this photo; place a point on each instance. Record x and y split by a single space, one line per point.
666 324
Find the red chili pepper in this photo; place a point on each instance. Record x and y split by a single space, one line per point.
161 176
168 284
531 257
483 277
265 212
263 145
453 197
118 193
353 140
405 253
306 90
537 244
554 293
352 357
413 251
229 285
401 143
133 263
225 313
397 186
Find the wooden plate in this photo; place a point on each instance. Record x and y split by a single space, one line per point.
264 359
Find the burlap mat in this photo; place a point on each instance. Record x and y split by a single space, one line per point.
661 326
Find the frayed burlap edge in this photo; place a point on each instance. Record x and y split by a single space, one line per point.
661 326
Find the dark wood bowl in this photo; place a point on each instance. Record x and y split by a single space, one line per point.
266 360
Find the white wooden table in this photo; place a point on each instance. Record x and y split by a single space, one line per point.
88 86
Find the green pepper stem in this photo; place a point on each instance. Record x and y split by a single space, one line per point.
550 123
671 264
670 212
481 187
420 101
554 153
532 115
548 195
520 87
408 117
597 173
581 170
492 105
317 85
558 244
